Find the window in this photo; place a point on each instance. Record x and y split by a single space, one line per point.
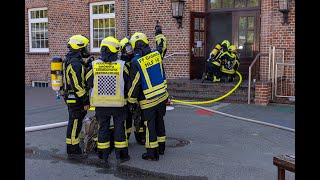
38 30
102 23
221 4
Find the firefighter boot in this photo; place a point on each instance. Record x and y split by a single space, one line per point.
152 154
215 79
103 154
122 154
75 152
162 147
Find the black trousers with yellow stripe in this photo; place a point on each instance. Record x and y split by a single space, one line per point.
155 128
76 115
103 115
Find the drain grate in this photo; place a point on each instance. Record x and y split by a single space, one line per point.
172 142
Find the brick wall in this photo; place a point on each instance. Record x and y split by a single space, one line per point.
273 33
262 92
143 14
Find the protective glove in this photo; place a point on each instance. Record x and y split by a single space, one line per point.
132 107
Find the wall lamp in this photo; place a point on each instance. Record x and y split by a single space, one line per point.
284 6
177 7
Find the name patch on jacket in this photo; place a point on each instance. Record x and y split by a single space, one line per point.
149 60
107 68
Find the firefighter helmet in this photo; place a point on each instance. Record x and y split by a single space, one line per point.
112 43
78 41
138 36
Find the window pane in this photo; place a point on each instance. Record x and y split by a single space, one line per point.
242 23
45 15
201 36
34 44
112 22
106 8
95 23
196 23
33 14
201 52
196 37
41 14
249 50
95 9
107 23
215 4
253 3
100 9
250 22
95 33
250 37
112 32
227 4
95 43
101 23
196 50
102 34
111 8
240 3
201 23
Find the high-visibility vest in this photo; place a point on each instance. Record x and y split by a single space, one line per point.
152 74
108 84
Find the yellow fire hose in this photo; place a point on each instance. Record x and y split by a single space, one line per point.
203 102
213 100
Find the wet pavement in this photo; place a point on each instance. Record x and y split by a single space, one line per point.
200 144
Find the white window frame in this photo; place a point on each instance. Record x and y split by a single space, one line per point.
38 20
99 16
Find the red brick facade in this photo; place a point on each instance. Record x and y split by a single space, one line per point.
72 16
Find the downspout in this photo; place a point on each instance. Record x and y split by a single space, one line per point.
126 16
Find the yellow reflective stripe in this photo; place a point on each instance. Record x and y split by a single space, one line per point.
134 83
161 138
103 145
141 129
121 144
89 74
95 139
81 91
71 101
154 144
68 140
216 63
146 77
74 140
154 88
132 100
128 130
92 108
126 70
111 127
150 95
144 104
231 71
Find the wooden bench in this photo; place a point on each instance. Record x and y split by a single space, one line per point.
284 162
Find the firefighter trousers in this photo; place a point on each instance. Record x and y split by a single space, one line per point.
155 128
76 116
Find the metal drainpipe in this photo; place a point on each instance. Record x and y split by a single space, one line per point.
126 16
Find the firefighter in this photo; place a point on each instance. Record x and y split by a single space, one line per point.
213 73
147 86
127 55
76 96
108 80
230 63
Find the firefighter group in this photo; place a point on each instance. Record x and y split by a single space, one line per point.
128 76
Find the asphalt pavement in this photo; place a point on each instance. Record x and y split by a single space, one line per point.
200 144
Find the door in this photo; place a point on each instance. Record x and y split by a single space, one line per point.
246 27
197 44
